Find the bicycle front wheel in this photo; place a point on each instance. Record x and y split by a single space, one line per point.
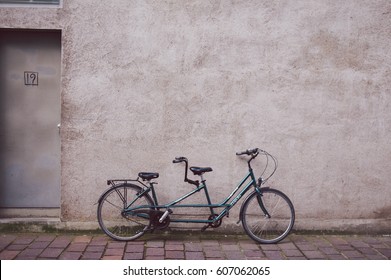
275 224
114 221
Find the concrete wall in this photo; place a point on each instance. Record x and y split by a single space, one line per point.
308 81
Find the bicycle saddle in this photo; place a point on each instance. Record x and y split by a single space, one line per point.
148 175
200 170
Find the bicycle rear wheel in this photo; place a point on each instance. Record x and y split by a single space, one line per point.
111 216
258 225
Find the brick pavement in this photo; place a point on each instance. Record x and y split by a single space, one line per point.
65 246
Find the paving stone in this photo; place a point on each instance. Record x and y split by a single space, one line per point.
174 242
306 246
336 257
133 256
359 244
208 243
77 247
23 240
213 253
270 247
296 258
296 238
274 255
318 241
235 255
353 254
7 238
370 240
114 252
336 240
30 253
368 251
177 255
155 244
314 255
378 245
116 245
45 238
193 247
321 244
155 251
135 248
228 241
253 253
24 258
51 253
211 247
92 255
287 246
95 248
39 244
174 247
8 255
194 255
5 241
155 257
385 251
248 246
60 242
99 241
82 239
344 247
293 253
17 247
230 247
112 258
70 256
329 250
376 257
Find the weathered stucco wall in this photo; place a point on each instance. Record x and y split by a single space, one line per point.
308 81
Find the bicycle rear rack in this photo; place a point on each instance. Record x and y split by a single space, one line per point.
113 181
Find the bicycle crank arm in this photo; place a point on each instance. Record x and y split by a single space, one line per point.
164 216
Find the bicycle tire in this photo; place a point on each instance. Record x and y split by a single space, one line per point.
263 229
113 221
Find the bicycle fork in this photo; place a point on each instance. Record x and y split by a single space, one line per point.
260 202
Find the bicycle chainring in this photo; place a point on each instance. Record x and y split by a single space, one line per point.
215 224
156 224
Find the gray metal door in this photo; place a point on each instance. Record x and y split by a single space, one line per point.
30 105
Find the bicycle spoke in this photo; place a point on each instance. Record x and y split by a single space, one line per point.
268 229
113 219
119 208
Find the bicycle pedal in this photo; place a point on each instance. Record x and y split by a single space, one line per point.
165 215
204 228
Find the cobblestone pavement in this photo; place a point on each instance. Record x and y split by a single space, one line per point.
66 246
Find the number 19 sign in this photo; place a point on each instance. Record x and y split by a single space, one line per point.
30 78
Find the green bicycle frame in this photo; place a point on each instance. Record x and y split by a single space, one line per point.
227 203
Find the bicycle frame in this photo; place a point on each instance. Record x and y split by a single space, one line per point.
130 207
227 203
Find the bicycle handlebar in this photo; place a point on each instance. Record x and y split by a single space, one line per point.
184 159
179 159
248 152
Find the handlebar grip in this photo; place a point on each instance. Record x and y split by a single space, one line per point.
179 159
248 152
